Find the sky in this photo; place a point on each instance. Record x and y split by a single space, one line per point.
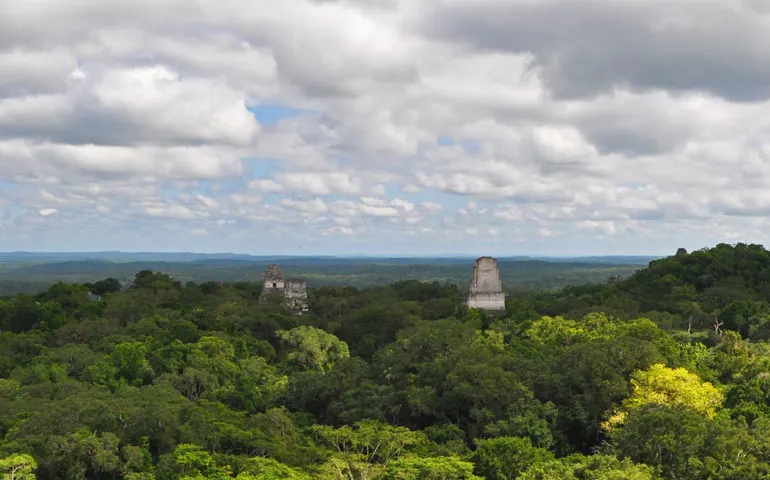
397 127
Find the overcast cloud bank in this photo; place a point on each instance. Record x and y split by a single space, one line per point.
384 126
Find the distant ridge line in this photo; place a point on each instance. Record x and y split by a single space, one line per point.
107 253
23 257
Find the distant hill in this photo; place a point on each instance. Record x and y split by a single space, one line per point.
49 257
28 272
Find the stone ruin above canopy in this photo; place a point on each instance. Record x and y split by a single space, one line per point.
292 290
485 290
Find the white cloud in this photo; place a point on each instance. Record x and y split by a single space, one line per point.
134 106
311 183
314 206
432 206
339 230
410 188
507 121
23 159
508 212
34 72
266 185
176 211
379 190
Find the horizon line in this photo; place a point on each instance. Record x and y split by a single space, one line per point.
353 255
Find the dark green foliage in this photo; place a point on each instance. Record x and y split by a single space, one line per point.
505 458
104 287
165 380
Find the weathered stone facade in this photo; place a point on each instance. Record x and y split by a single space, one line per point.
274 281
292 290
485 291
295 289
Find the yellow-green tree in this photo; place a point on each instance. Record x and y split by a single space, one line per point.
670 387
594 326
18 467
363 451
260 468
556 330
594 467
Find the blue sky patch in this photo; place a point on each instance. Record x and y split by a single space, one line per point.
271 114
469 146
261 167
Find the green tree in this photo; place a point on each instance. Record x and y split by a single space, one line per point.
311 348
18 467
269 469
106 286
685 444
83 454
429 468
594 467
189 462
131 365
505 458
364 450
745 317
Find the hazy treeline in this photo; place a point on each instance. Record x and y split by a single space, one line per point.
518 275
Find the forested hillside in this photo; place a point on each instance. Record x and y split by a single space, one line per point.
663 375
17 275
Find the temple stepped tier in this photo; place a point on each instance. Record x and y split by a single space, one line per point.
485 291
292 290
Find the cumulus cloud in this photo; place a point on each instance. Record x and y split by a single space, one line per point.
34 72
310 183
133 106
584 48
553 126
22 159
314 206
373 207
432 206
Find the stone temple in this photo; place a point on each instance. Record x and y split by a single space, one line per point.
485 291
292 290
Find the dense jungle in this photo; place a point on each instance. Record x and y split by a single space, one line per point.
662 375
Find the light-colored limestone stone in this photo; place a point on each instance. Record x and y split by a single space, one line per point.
274 278
485 291
292 290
